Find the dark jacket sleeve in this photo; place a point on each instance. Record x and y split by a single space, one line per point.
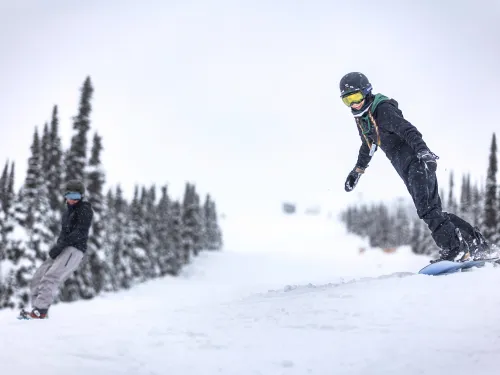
393 120
364 152
80 232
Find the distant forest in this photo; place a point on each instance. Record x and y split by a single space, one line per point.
390 225
151 236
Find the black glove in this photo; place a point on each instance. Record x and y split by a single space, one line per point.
352 179
54 252
428 159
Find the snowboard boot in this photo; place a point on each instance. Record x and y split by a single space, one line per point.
23 314
479 247
451 254
39 313
34 314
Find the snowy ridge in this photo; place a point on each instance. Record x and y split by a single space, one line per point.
305 288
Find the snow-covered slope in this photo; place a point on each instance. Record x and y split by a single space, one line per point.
290 295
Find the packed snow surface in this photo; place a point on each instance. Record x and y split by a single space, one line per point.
288 295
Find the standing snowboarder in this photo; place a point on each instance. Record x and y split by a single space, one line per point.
66 255
381 125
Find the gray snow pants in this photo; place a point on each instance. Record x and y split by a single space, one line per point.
50 276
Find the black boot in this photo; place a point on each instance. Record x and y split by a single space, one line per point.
479 247
451 254
34 314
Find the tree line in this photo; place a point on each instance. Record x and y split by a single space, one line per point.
390 225
131 241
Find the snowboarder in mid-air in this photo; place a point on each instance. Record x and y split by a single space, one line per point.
66 255
381 125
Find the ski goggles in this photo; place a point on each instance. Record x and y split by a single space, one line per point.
73 195
353 98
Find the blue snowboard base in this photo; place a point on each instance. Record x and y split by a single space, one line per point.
445 267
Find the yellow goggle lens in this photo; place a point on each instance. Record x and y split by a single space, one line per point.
355 97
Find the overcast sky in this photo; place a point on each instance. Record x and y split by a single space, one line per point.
241 97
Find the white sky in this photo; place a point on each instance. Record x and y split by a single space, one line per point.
241 97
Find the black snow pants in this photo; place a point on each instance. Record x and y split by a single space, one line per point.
423 187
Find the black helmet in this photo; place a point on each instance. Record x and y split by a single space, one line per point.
75 186
353 82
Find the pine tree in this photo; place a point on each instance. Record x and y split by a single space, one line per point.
3 217
176 232
466 199
7 217
76 157
45 151
150 239
442 195
96 269
476 206
490 224
192 223
428 244
381 236
54 173
212 232
118 241
10 246
416 237
452 203
33 206
108 241
496 239
401 229
140 260
421 241
30 244
168 258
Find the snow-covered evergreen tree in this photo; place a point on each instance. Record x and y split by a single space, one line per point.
92 274
33 206
45 150
141 262
7 218
15 265
3 215
442 195
168 257
466 199
417 237
212 231
477 206
192 223
76 157
490 225
428 244
118 241
31 238
176 231
53 161
451 203
149 235
421 241
401 230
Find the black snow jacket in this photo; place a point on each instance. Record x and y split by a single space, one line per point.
383 123
75 227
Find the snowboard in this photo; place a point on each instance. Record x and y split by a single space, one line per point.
446 267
